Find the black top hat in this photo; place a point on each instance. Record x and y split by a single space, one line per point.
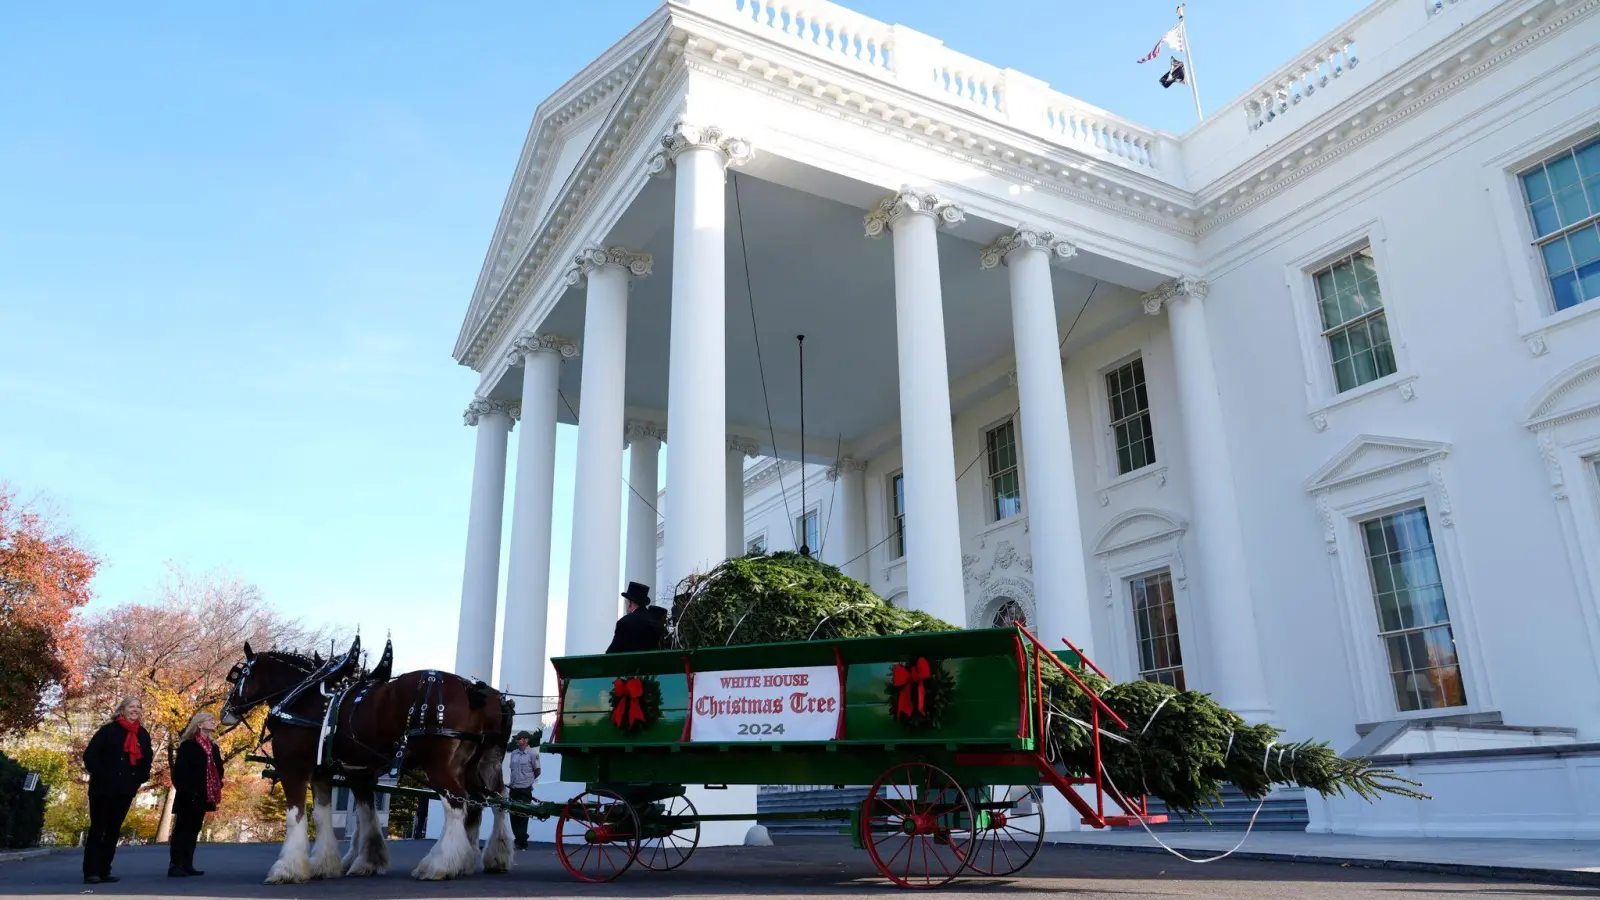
637 593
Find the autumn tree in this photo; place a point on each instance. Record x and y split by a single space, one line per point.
175 653
44 580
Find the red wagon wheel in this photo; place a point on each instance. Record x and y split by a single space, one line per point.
597 836
673 849
918 826
1010 830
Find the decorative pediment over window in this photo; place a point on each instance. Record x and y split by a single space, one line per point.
1135 527
1369 456
1572 395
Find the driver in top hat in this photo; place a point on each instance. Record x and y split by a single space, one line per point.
638 630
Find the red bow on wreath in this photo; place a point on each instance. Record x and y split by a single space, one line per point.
909 681
630 709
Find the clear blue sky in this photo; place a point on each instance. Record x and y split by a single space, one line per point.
237 241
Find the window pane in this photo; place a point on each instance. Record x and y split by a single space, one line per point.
1584 244
1589 159
1544 217
1571 205
1563 171
1366 269
1589 281
1557 256
1535 185
1566 291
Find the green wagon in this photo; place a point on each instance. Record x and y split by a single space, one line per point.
945 727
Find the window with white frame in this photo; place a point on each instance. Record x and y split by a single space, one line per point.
806 526
1354 323
1009 613
1562 196
1135 442
757 544
1155 622
1005 485
897 514
1413 616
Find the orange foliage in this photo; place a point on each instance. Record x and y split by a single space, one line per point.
44 579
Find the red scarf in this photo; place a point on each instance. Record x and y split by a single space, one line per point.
213 777
130 742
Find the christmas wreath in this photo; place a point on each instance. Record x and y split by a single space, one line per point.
919 692
635 702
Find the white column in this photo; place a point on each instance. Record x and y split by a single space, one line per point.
592 588
696 381
739 449
522 644
933 571
1235 648
1054 531
480 580
846 537
644 460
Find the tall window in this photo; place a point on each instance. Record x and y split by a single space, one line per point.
1005 487
897 513
1155 618
1563 198
807 525
1130 417
1413 618
1353 320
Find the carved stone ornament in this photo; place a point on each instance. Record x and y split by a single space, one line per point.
908 202
592 258
1319 421
845 464
483 406
1025 237
1005 557
535 342
1177 287
1537 345
636 430
684 136
746 446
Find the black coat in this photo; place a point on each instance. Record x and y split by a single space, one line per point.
189 774
110 772
636 631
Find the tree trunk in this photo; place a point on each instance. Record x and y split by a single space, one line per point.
164 829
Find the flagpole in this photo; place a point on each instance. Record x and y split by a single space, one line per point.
1188 52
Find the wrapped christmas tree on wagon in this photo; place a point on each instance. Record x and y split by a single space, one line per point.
1180 746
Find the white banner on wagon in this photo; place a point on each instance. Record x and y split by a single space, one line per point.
794 704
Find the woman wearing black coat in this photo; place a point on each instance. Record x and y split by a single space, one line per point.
196 790
118 762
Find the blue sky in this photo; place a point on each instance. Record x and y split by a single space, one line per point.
236 243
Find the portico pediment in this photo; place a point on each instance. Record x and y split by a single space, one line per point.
1574 394
1135 527
1370 456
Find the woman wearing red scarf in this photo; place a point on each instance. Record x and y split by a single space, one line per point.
118 762
197 789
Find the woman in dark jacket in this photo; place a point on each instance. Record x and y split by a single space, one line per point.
118 762
196 790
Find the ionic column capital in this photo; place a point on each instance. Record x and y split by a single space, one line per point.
684 136
593 258
538 342
1184 286
483 406
638 429
910 202
843 465
1025 237
746 446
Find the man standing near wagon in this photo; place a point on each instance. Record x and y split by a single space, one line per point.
638 630
524 763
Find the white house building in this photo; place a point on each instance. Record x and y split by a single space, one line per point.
1300 408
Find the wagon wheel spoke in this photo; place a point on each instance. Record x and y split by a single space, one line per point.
597 836
1013 834
919 822
673 849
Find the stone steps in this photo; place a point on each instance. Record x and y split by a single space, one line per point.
1284 810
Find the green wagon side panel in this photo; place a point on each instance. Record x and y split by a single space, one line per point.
982 715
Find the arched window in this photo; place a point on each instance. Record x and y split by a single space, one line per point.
1010 613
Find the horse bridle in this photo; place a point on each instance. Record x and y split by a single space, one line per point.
240 673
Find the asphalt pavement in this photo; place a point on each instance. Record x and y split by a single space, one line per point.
796 867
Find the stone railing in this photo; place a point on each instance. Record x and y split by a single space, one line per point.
924 64
1298 81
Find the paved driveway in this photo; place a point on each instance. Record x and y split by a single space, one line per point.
798 867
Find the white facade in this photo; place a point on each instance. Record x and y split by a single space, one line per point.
1251 470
